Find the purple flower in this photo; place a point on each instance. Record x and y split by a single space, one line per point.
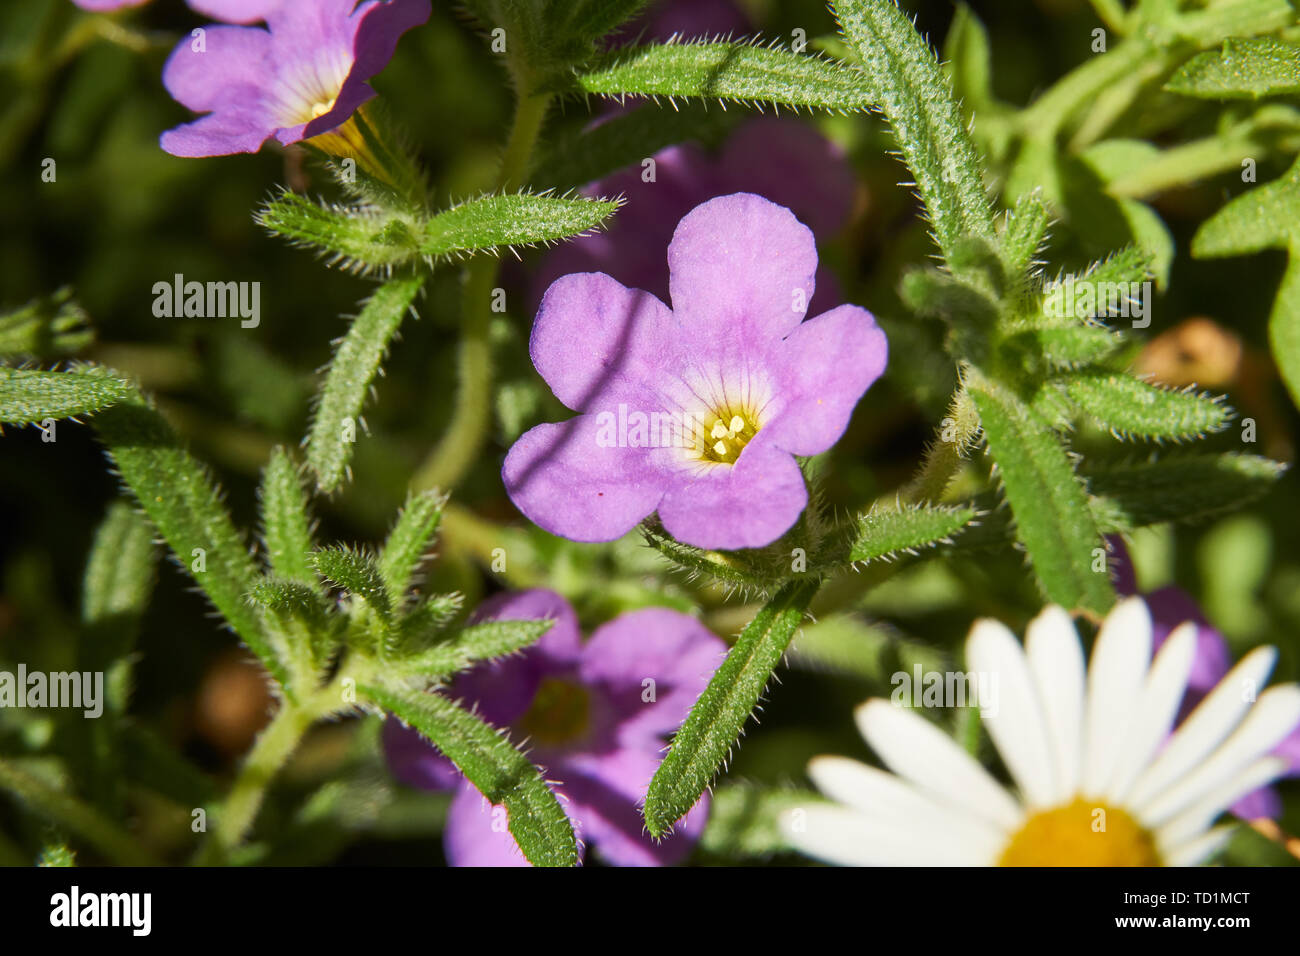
1170 607
595 715
107 6
699 411
785 160
303 75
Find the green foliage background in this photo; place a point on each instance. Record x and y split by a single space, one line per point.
124 215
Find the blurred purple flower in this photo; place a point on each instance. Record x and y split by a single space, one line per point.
783 160
1170 607
595 715
699 411
303 75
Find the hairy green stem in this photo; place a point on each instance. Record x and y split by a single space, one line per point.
449 461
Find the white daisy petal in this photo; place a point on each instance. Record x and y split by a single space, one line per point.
1165 686
917 750
1207 725
1274 715
1202 848
1011 712
891 801
849 838
1056 662
1196 819
1115 677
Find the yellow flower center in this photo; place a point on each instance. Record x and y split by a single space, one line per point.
559 713
726 434
1082 833
322 107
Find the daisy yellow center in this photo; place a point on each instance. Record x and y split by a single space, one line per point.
1082 833
726 433
559 713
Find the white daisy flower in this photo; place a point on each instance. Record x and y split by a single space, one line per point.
1100 780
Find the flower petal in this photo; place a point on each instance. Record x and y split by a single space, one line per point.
1196 819
741 271
674 650
607 790
848 838
1056 662
746 505
1015 720
1209 724
235 11
1273 716
565 479
1154 716
824 367
232 129
1116 674
415 761
915 749
233 68
599 344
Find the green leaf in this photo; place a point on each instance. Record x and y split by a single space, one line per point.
715 722
968 60
30 396
1245 68
1047 500
45 327
119 576
1130 408
500 772
504 222
73 815
743 819
184 504
729 71
301 618
336 421
885 533
478 642
1023 237
356 573
286 522
916 98
1066 346
360 239
1178 488
410 540
1267 217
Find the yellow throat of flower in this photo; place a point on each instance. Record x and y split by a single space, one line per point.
1081 833
559 714
725 434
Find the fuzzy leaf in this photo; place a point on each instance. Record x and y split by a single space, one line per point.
500 772
184 504
410 540
357 574
1131 408
883 534
335 424
1178 488
1023 237
1066 346
360 239
729 71
499 222
286 524
30 396
1245 68
1048 502
478 642
45 327
715 723
1267 217
916 98
119 574
298 612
